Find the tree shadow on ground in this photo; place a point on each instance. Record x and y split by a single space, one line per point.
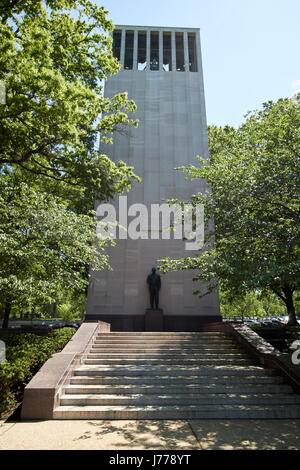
144 434
248 434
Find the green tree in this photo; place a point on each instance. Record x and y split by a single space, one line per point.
67 312
71 305
254 178
272 304
248 305
44 247
54 58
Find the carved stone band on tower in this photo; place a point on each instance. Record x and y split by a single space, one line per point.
161 69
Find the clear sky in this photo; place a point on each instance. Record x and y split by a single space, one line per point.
250 48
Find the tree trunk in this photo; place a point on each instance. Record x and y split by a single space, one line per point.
289 302
7 311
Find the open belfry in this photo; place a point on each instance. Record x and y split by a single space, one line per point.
161 69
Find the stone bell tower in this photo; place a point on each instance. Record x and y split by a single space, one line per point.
162 72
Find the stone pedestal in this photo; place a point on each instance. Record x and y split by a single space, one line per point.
154 320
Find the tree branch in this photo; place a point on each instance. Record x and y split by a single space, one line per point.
278 294
47 175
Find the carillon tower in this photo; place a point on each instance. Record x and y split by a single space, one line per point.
162 72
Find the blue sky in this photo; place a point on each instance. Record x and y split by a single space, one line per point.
250 48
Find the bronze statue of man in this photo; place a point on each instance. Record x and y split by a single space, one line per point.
154 282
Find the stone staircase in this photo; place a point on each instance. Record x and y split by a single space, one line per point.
173 376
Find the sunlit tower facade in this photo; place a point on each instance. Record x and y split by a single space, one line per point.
161 69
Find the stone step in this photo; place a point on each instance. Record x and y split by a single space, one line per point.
158 370
161 342
164 355
180 399
167 362
178 412
164 335
162 348
173 376
185 380
85 388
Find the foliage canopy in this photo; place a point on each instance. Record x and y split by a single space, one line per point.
254 200
54 58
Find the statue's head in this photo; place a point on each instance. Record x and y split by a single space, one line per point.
153 270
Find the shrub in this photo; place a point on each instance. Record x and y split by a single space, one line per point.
25 354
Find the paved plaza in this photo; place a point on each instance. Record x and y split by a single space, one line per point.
150 435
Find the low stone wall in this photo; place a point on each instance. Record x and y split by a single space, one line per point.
261 350
42 392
